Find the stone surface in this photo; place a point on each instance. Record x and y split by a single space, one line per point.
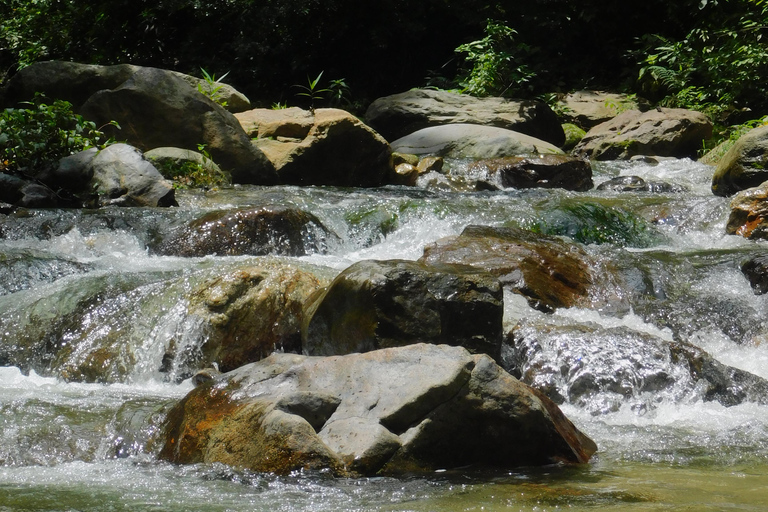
155 108
542 171
590 108
122 176
547 271
744 165
638 184
245 314
335 149
756 271
420 407
749 213
662 132
380 304
471 141
402 114
256 231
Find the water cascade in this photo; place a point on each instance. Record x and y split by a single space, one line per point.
98 338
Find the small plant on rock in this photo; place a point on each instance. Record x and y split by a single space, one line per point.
212 87
313 91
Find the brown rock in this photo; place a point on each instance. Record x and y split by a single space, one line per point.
542 171
749 213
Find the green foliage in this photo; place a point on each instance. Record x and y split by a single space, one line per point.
717 63
495 63
212 87
193 174
593 223
36 137
312 91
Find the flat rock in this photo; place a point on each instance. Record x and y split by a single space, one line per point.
471 141
415 408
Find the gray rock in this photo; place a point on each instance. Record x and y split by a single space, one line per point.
379 304
122 176
662 132
744 165
420 407
471 141
156 108
234 101
638 184
590 108
401 114
756 271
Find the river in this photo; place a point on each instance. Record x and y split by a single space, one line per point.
79 279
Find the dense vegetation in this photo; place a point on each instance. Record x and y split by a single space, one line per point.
708 54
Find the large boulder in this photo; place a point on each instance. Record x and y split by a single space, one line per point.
327 147
256 231
380 304
401 114
390 411
744 166
546 270
246 314
542 171
749 213
75 83
70 81
661 132
471 141
156 108
590 108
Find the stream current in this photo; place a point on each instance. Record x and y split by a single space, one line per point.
69 446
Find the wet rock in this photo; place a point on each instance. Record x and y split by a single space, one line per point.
662 132
638 184
389 411
590 108
256 231
744 165
245 315
749 213
471 141
756 271
327 147
602 369
402 114
721 383
155 108
547 271
381 304
542 171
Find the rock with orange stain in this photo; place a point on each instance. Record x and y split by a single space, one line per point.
419 407
749 213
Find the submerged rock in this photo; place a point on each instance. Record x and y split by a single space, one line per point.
472 141
744 165
542 171
546 270
662 132
380 304
756 271
325 147
389 411
401 114
602 369
638 184
256 231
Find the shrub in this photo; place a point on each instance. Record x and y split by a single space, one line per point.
37 137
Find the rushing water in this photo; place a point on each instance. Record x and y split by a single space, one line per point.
80 280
